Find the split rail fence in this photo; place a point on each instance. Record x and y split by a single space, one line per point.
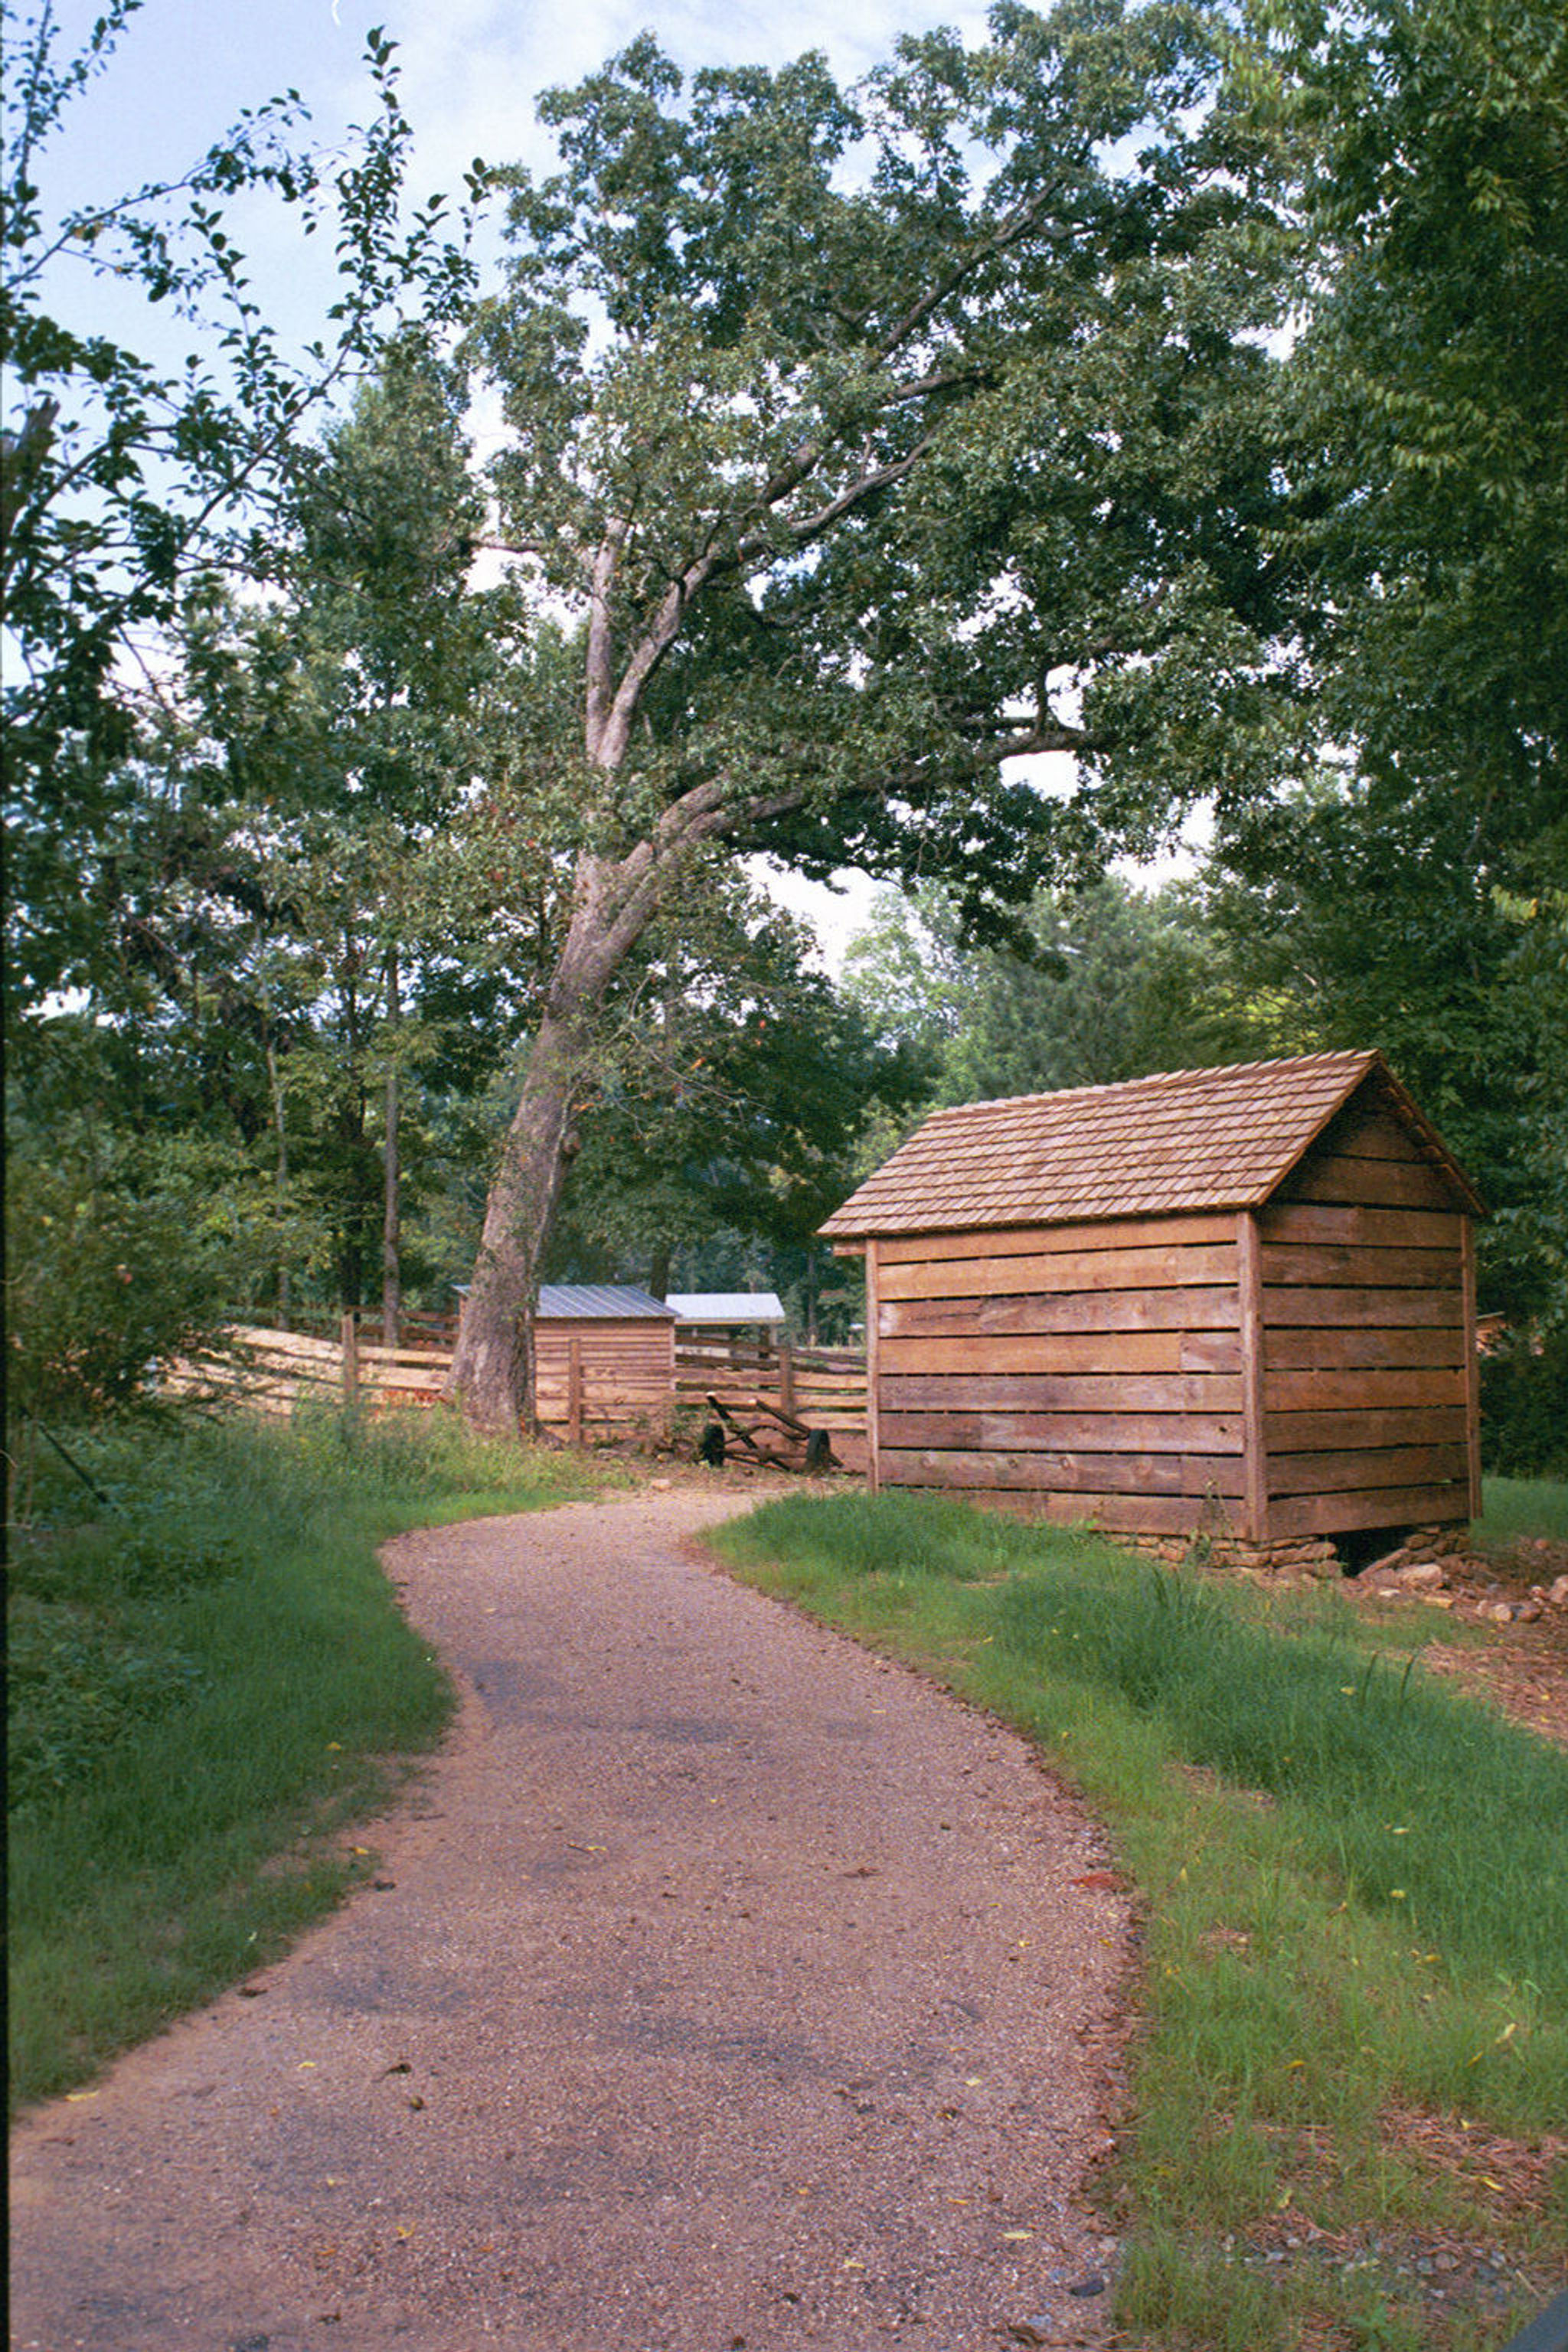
273 1371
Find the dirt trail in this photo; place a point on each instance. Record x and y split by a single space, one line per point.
732 1989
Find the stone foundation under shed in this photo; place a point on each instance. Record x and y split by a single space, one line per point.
1295 1555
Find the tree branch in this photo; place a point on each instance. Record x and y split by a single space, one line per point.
812 525
601 638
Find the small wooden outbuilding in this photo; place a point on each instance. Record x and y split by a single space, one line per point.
604 1358
1237 1301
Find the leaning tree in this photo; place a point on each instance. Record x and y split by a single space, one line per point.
874 442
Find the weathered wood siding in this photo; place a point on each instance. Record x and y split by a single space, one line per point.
628 1372
1368 1339
1088 1370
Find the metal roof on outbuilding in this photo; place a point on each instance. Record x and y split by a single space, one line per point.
1182 1141
599 1302
726 1306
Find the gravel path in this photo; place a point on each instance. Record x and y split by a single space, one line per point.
732 1989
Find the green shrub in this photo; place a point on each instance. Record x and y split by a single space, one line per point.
120 1250
1524 1405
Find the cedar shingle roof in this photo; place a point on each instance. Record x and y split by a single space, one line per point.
1187 1139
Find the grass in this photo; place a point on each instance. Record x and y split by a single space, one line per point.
1522 1507
210 1680
1353 1891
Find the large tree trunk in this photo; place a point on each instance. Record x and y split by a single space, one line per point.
492 1371
613 902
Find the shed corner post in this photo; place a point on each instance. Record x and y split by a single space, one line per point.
1255 1460
1472 1363
873 1318
574 1389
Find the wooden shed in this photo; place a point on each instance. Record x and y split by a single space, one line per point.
604 1358
1234 1300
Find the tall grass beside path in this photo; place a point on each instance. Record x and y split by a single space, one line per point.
1348 2113
209 1681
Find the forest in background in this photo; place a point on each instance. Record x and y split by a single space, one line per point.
1183 399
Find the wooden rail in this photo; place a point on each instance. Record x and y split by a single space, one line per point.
824 1387
274 1371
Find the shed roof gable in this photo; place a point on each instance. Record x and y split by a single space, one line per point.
1182 1141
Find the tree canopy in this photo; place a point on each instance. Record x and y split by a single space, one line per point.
1426 405
127 473
875 441
1408 887
1170 390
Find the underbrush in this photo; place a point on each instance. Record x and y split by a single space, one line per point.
209 1679
1353 1893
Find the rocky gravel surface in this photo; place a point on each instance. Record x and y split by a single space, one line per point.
722 1988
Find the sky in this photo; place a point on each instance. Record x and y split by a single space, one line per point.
471 72
471 69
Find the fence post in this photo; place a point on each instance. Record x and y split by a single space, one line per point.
786 1378
575 1391
350 1361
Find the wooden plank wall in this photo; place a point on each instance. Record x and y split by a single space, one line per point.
1088 1370
1367 1380
628 1373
